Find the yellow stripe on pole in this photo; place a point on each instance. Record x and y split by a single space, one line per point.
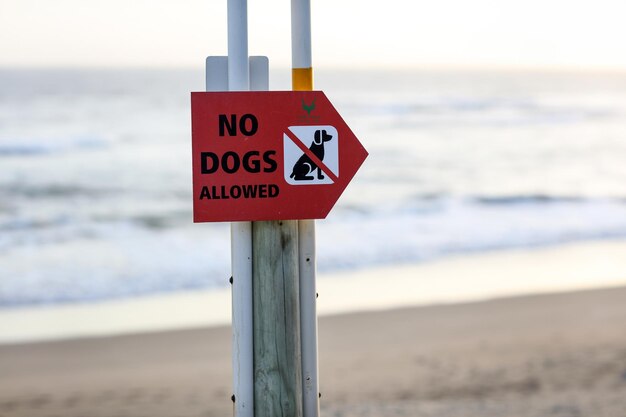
302 79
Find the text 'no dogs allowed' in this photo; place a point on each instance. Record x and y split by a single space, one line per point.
254 152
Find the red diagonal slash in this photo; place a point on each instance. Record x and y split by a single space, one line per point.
311 155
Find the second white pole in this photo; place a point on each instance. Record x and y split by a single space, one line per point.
302 79
241 232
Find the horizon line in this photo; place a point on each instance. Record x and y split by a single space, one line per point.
338 68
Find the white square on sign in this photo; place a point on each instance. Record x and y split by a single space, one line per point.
311 155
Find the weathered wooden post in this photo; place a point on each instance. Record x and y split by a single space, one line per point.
277 363
276 309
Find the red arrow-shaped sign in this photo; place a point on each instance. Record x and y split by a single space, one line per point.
269 155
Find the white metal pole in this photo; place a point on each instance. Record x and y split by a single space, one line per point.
241 232
302 79
301 34
308 318
238 67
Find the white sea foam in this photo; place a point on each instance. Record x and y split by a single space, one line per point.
95 184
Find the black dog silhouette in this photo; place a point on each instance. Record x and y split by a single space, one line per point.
304 165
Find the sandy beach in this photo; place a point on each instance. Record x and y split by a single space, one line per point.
558 354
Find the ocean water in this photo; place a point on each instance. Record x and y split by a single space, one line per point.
95 174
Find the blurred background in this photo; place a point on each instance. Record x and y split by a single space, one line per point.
496 132
491 125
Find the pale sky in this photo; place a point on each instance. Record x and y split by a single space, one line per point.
346 33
